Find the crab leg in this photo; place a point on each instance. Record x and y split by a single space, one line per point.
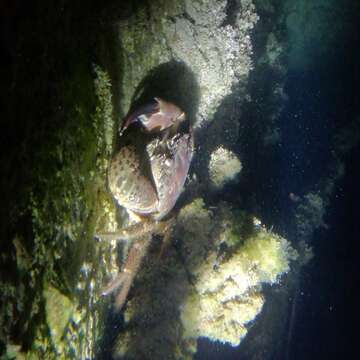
113 285
126 277
142 233
137 230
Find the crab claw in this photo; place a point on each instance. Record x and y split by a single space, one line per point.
123 282
125 279
156 116
169 169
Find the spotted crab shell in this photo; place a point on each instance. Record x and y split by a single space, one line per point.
157 192
129 186
170 169
156 116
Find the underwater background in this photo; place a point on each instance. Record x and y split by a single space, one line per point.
262 259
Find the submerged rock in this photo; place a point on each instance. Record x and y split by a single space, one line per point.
228 281
213 45
224 166
209 286
194 53
59 309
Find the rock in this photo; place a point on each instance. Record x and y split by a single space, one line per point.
223 166
198 34
210 284
59 309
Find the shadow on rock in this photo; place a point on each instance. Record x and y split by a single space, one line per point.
172 81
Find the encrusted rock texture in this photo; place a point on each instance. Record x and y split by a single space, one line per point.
199 55
195 53
208 283
207 40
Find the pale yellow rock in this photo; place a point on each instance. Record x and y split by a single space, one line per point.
224 166
59 309
226 297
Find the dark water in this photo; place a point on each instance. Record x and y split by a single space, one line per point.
323 101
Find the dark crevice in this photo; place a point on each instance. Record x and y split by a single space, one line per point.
231 10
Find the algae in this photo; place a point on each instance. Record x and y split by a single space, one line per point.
195 53
66 202
201 288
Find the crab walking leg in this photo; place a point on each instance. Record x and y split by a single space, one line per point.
129 233
166 232
126 277
133 262
141 233
113 284
137 230
110 236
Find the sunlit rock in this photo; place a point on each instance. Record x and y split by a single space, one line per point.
209 286
59 309
227 292
198 34
224 166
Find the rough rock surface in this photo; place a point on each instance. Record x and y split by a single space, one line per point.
210 285
212 45
224 166
197 53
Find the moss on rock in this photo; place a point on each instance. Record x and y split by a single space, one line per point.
202 288
59 309
196 34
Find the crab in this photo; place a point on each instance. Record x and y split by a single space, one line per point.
147 179
156 116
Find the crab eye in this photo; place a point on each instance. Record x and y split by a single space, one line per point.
143 119
181 117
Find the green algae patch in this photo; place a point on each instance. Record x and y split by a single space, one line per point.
239 227
210 284
269 254
54 290
65 216
227 292
59 309
63 203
